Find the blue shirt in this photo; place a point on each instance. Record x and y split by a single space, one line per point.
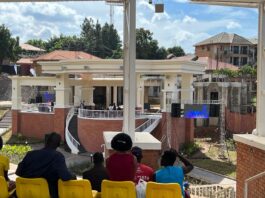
170 174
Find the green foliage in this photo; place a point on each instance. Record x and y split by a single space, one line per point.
227 72
37 43
15 153
176 50
189 148
247 70
9 47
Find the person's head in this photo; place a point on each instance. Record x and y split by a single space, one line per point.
186 185
121 142
98 158
137 152
52 140
1 142
168 158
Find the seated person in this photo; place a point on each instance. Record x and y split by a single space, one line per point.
121 165
46 163
4 161
98 173
143 171
170 173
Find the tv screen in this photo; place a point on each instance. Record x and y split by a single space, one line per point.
196 111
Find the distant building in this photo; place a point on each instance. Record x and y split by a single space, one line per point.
228 48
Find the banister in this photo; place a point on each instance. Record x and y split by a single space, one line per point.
249 180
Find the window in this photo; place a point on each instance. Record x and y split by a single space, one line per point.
244 50
235 49
244 61
208 48
236 61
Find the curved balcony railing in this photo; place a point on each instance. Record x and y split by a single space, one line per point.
37 107
104 114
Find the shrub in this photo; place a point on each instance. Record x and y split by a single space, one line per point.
189 148
15 153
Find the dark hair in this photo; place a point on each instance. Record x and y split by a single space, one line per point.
121 142
137 152
168 158
52 140
98 158
1 142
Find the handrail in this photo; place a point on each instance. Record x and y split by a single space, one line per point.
224 193
251 179
211 190
68 135
106 114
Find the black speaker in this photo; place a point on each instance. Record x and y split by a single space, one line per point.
214 110
175 110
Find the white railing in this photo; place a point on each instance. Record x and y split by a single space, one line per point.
37 107
212 190
70 140
197 101
249 180
105 114
149 125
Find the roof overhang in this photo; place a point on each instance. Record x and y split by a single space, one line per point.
236 3
115 66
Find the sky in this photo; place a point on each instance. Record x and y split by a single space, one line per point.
182 23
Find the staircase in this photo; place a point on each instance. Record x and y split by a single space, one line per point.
6 122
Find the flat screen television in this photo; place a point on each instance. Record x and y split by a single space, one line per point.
196 111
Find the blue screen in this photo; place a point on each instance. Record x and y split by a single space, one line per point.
196 111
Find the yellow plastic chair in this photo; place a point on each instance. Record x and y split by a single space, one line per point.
75 189
2 170
4 162
159 190
3 188
115 189
32 188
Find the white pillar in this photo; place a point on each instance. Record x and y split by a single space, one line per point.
78 95
129 67
16 94
260 124
115 94
108 95
88 95
170 86
186 87
62 91
140 92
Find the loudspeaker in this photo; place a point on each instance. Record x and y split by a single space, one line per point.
214 110
175 110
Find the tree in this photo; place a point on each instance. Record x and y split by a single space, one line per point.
37 43
9 47
146 46
176 50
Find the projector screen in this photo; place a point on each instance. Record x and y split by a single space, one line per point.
196 111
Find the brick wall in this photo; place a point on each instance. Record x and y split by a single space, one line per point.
90 131
250 162
60 115
182 130
33 124
150 157
240 123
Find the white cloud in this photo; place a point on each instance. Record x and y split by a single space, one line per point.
233 25
181 1
188 19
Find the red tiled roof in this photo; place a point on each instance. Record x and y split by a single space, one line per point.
25 61
29 47
64 54
212 64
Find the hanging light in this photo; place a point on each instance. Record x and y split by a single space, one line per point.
159 6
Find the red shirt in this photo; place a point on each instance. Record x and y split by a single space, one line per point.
143 172
121 167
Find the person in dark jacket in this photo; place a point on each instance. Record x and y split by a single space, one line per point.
46 163
98 173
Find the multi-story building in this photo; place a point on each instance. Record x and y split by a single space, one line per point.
228 48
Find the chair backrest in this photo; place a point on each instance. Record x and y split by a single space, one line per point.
3 188
75 189
159 190
32 188
116 189
4 161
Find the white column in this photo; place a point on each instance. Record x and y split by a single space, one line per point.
170 86
88 95
186 87
16 94
129 67
115 95
78 95
261 74
62 91
140 91
108 95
